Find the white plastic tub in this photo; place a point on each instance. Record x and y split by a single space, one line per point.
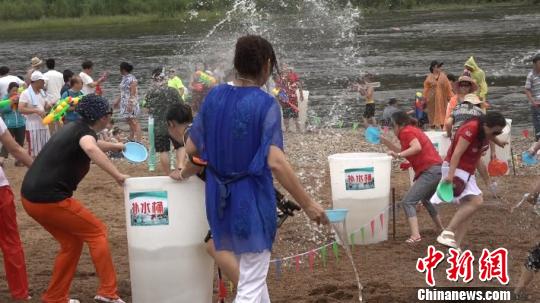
166 224
361 183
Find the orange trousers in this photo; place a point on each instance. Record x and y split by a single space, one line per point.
11 246
72 225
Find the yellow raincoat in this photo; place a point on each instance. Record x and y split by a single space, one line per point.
479 77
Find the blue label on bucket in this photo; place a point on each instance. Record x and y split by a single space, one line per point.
359 178
149 208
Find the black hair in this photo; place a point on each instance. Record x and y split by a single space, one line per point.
536 58
87 64
251 54
126 67
392 101
179 112
12 85
452 77
490 119
115 130
401 119
4 70
67 75
50 63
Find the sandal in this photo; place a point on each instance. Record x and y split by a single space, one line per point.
102 299
447 238
412 240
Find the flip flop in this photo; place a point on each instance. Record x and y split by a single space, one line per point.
447 238
412 240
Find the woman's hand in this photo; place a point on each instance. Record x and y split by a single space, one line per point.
119 147
120 179
177 175
316 213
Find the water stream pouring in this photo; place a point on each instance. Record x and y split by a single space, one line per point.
535 204
337 219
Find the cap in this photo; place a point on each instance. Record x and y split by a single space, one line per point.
472 98
36 76
435 63
93 107
35 62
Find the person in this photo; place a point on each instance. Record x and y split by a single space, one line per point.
176 83
47 196
5 80
128 101
465 85
10 241
452 78
366 91
67 75
532 262
53 83
417 148
289 81
238 134
388 111
470 107
477 74
15 122
75 90
158 98
32 104
89 85
437 91
35 65
463 157
197 88
532 91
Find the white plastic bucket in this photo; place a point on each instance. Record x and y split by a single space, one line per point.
361 183
504 154
166 223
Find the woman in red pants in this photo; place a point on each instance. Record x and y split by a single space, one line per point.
10 242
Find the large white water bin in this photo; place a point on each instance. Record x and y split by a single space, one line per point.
504 154
166 224
361 183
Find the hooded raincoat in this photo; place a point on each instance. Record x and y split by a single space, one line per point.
479 77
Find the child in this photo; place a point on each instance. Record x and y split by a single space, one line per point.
388 111
15 122
47 196
366 91
10 242
76 85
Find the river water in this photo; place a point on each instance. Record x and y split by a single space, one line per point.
327 45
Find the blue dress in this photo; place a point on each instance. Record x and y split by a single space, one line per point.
233 132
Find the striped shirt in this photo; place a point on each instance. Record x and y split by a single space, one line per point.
533 84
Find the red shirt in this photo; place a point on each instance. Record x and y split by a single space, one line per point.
289 82
469 131
424 159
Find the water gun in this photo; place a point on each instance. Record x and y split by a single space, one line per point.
7 102
206 79
281 95
60 109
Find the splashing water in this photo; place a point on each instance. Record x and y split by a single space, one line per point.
340 230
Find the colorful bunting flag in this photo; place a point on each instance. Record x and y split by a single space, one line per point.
355 125
363 235
352 241
324 254
372 228
381 216
335 251
297 261
311 258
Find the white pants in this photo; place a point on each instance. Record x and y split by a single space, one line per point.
252 286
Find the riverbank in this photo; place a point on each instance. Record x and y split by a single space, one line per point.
412 5
15 28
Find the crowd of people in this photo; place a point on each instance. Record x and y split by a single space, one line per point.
226 127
